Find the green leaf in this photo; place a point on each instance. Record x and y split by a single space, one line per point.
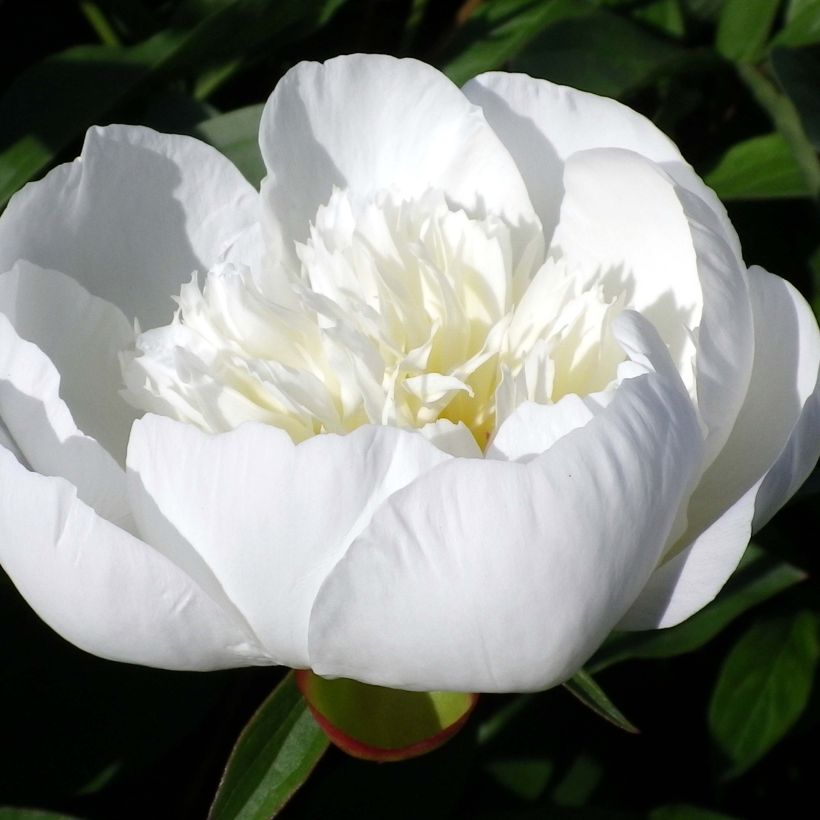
683 811
525 777
759 577
758 168
231 34
501 718
633 56
798 72
53 102
496 32
10 813
785 117
273 756
578 784
802 28
592 696
665 15
794 8
763 687
743 28
236 135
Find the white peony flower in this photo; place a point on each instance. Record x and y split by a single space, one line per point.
478 376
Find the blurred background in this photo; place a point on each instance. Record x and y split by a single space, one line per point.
726 704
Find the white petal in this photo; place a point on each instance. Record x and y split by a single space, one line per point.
43 431
624 218
542 124
132 218
498 576
771 451
455 439
692 577
104 590
369 122
83 337
622 221
725 338
533 428
785 380
261 517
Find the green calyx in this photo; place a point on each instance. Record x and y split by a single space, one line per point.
381 724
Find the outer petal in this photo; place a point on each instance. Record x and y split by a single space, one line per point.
498 576
772 449
104 590
786 379
262 518
368 122
83 337
42 431
624 219
132 218
542 124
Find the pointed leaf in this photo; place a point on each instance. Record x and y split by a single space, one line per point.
236 135
592 696
525 777
744 27
802 28
763 687
496 32
758 168
273 756
562 52
11 813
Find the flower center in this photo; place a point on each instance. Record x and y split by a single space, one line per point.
403 312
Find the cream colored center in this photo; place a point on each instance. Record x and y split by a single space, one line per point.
404 312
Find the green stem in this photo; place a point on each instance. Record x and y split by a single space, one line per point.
99 22
787 121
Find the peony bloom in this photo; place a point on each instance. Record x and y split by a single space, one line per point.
477 377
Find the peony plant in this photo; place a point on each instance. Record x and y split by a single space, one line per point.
475 378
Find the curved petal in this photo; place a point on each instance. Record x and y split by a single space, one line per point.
531 429
685 583
786 379
772 449
43 432
83 337
132 218
370 122
104 590
626 221
542 124
261 517
499 576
